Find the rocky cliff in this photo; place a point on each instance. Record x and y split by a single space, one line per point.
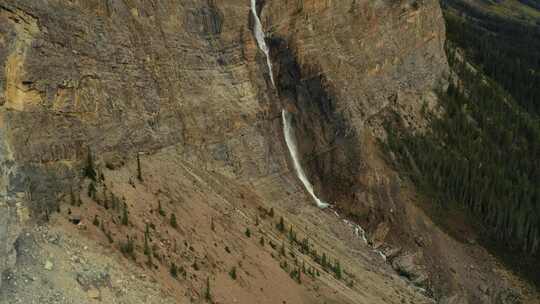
184 84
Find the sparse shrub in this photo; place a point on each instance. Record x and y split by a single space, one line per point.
232 273
195 266
271 212
227 249
248 232
212 226
261 241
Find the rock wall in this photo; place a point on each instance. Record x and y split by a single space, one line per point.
341 66
121 77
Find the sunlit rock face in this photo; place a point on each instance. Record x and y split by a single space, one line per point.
117 78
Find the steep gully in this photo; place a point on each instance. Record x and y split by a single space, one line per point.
288 132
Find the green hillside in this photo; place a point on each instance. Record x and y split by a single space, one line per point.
483 153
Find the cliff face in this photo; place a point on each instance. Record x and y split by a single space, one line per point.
342 66
121 77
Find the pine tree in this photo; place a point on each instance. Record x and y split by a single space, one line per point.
281 225
207 292
146 241
160 209
89 170
72 199
174 270
139 170
232 273
174 224
337 270
92 190
125 219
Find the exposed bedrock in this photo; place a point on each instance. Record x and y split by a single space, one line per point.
122 77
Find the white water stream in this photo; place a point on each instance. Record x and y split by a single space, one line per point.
289 133
259 36
293 150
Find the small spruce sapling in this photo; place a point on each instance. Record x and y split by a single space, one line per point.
281 225
139 170
89 170
174 224
160 209
232 273
174 270
207 292
125 219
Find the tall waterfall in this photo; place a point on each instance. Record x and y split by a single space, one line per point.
289 133
259 35
293 150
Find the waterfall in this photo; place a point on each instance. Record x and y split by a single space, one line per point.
287 130
293 150
259 36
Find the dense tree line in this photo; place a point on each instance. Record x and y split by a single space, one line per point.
507 50
482 153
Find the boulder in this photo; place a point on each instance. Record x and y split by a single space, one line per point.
407 266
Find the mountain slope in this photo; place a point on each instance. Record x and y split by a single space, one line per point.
117 115
482 152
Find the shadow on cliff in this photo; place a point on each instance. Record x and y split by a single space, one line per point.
328 146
